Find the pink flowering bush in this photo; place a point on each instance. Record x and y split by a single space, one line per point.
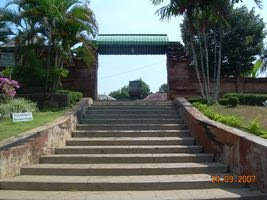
8 87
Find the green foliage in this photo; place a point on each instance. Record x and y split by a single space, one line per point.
121 94
223 101
246 29
197 100
247 32
33 70
231 101
17 106
248 99
9 129
145 90
163 88
7 72
74 96
228 120
254 127
50 30
256 68
2 98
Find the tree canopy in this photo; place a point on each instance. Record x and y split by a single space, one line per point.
163 88
205 19
242 41
50 30
123 93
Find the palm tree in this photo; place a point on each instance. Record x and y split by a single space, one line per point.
58 25
203 17
260 66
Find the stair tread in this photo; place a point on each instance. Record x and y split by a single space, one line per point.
130 147
113 179
163 125
130 131
128 166
133 155
129 138
190 194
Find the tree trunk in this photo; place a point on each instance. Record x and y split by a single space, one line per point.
202 67
196 64
207 64
218 78
47 88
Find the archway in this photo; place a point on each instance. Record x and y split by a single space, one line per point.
180 76
143 44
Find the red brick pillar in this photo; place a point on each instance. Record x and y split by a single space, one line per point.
82 78
181 77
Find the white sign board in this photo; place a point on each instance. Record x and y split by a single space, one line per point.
22 117
7 59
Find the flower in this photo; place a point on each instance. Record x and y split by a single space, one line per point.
8 87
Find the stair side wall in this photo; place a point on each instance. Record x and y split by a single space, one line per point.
245 153
26 148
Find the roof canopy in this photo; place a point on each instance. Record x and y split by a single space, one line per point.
132 44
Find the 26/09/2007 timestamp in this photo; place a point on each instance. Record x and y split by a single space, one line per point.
233 179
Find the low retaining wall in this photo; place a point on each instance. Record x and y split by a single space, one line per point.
26 148
244 153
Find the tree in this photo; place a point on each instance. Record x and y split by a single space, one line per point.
241 42
56 25
260 66
247 32
203 17
123 93
4 32
163 88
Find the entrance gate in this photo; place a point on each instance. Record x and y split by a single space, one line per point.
179 74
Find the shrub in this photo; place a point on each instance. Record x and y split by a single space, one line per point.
74 96
48 101
2 97
225 119
230 101
17 106
248 99
197 100
8 87
233 101
223 101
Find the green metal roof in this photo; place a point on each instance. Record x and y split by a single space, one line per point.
128 44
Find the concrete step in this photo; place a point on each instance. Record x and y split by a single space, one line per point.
131 121
141 111
132 116
131 127
113 183
126 158
132 103
133 107
130 133
189 194
128 149
130 141
124 169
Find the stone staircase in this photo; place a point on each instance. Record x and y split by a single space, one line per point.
127 150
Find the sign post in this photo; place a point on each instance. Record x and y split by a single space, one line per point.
22 117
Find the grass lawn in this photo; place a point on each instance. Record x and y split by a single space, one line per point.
9 129
245 113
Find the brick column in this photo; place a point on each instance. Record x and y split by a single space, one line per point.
181 76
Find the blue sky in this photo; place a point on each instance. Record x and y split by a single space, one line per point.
136 16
